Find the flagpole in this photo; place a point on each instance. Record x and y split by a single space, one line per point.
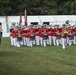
25 18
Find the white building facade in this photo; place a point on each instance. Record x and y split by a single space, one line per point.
52 19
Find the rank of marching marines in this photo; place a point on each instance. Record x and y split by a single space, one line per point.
42 35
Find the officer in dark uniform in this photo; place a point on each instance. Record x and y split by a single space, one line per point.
0 32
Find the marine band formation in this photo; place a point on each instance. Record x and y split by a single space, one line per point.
43 35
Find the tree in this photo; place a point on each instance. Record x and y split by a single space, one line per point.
4 7
73 7
38 7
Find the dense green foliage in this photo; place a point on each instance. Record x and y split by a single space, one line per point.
38 7
38 60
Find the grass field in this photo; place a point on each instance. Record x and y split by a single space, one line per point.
38 60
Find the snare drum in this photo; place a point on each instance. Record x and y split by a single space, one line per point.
19 38
32 37
45 37
71 36
58 36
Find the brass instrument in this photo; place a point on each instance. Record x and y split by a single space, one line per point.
64 30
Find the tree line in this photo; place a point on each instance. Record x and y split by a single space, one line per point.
38 7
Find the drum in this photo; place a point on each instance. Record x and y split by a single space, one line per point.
58 36
32 37
45 37
71 36
19 39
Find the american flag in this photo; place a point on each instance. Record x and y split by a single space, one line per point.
20 20
7 26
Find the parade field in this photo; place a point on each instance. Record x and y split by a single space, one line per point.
36 60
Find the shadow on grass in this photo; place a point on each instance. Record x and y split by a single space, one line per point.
8 53
10 69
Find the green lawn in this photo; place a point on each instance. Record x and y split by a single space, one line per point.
38 60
